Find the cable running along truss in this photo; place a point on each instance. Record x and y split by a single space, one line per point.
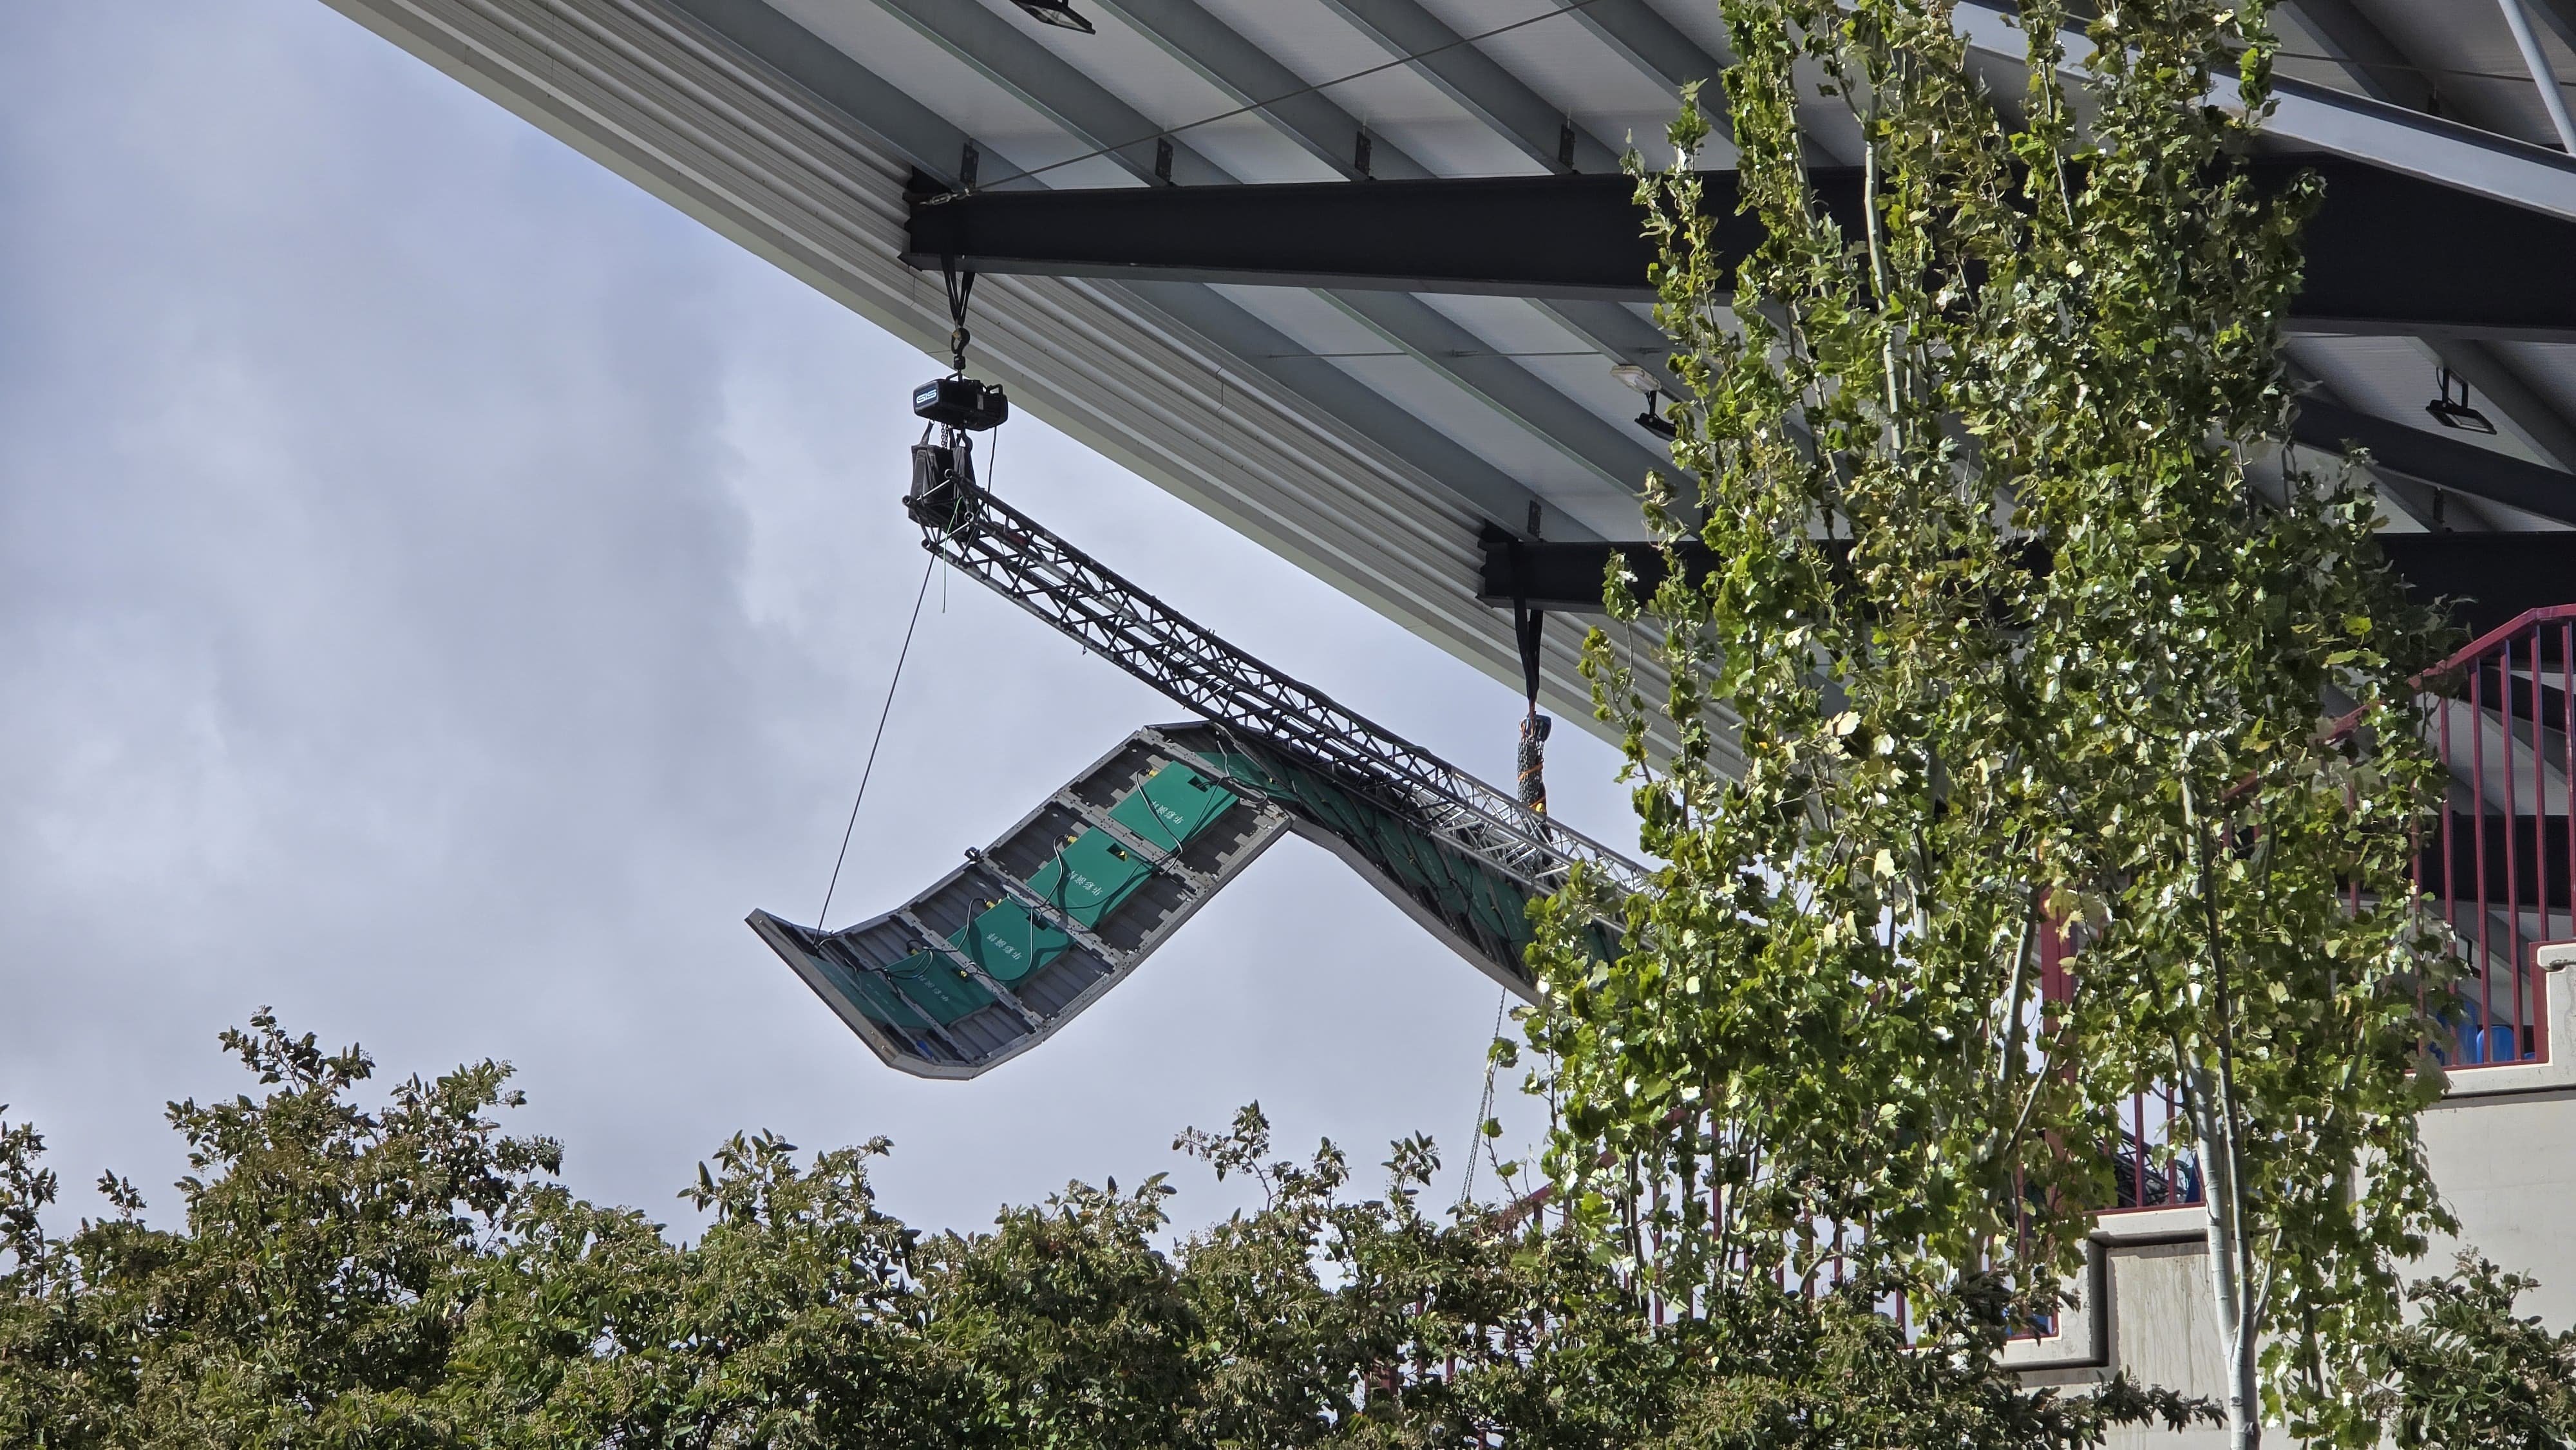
998 954
1031 566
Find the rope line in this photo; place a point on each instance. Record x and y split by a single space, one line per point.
1476 1140
871 767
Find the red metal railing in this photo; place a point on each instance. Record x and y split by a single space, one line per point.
2152 1165
2500 866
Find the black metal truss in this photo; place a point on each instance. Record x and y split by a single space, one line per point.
1444 887
1031 566
2387 253
2486 579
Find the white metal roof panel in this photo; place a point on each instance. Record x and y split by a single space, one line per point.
1149 77
1374 471
2394 378
2468 54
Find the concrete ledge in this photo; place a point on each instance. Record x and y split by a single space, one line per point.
2083 1337
2129 1228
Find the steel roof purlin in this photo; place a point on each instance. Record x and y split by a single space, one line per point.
1261 396
2374 62
1226 59
2382 70
2445 152
2544 76
2443 462
1055 88
1477 81
2560 18
1099 119
1234 64
1658 48
1262 350
871 102
1256 349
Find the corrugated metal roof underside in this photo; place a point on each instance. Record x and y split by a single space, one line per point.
1363 436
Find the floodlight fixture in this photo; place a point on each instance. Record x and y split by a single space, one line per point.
2456 414
1636 376
1058 13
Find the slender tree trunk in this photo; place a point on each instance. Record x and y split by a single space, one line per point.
2215 1141
2210 1098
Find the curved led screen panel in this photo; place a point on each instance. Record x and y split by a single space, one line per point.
1029 931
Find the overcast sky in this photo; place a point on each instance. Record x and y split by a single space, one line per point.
443 589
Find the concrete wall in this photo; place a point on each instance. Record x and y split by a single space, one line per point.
2503 1148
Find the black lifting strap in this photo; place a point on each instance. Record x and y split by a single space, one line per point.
1526 624
961 289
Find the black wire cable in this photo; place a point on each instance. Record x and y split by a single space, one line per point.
993 470
2428 71
871 767
1476 1140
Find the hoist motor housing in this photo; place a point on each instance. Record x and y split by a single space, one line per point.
961 402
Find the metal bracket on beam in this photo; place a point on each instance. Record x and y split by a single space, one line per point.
1057 918
1164 859
966 964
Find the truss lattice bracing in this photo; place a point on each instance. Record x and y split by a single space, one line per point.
998 954
1002 951
1032 567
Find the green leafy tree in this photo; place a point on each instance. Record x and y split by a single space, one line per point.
409 1275
317 1291
2467 1374
1075 1326
792 1320
1791 1370
2022 625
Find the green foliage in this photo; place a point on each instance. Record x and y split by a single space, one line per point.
1793 1371
790 1322
2021 621
410 1276
312 1298
2466 1374
1075 1326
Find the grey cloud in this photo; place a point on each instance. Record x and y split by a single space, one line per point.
442 589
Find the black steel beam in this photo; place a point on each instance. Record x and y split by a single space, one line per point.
2488 578
2387 253
1567 576
2430 458
1538 236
